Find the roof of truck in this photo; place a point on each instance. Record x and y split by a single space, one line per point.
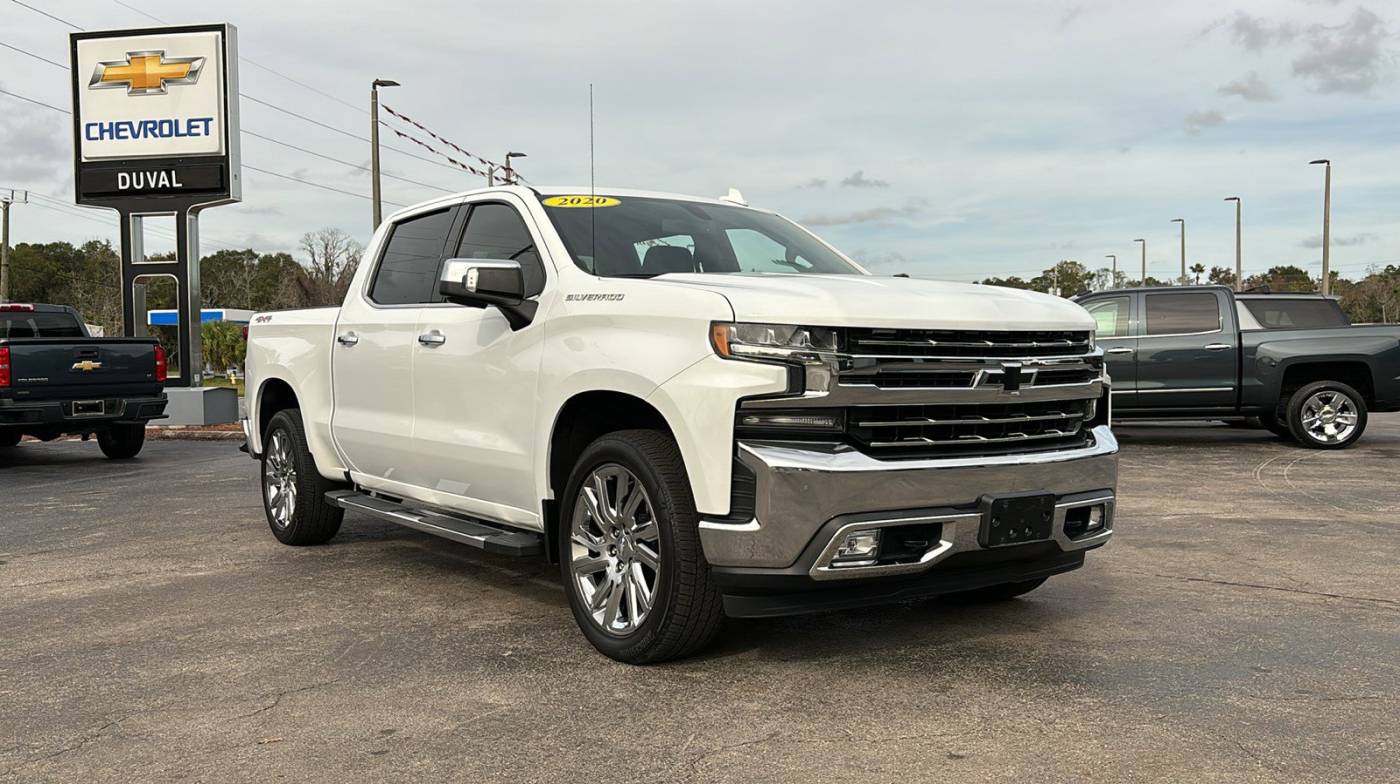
534 191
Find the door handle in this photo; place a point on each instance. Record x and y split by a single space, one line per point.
433 338
1119 350
348 339
1219 347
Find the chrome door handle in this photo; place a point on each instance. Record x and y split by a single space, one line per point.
1119 350
348 339
433 338
1219 347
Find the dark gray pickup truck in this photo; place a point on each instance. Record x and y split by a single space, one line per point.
56 379
1204 352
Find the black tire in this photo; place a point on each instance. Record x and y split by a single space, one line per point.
686 611
311 519
1275 425
122 442
1342 399
9 438
996 593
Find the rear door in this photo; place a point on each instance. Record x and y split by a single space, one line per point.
1188 354
372 357
1114 323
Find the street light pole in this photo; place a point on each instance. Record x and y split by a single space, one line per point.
509 172
1182 221
374 143
1326 225
1113 279
1239 264
1144 260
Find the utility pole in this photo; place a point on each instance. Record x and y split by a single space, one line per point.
5 202
1182 221
1113 278
374 143
1144 261
1326 225
1239 264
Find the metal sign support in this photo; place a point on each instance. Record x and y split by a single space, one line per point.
184 270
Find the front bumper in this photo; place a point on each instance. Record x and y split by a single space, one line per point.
805 500
61 413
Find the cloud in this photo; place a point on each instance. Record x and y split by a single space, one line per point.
858 180
1345 58
872 215
881 261
815 182
1073 13
1250 88
1256 33
34 150
1195 121
1315 241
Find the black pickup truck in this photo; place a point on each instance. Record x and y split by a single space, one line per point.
56 379
1205 352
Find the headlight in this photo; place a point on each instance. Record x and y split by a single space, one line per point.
774 342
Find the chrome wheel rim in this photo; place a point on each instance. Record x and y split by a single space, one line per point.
615 549
1329 416
280 480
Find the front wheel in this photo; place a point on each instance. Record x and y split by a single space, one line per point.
122 442
629 549
1326 415
294 493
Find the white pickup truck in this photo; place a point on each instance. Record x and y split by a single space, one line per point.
696 408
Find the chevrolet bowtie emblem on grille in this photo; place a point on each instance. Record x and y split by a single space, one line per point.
146 73
1011 376
87 366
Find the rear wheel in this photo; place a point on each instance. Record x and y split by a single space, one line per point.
629 549
9 438
997 593
294 493
122 442
1327 415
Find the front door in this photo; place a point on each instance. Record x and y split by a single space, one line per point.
475 384
372 349
1113 319
1187 357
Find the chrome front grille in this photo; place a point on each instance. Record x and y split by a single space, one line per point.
969 428
977 344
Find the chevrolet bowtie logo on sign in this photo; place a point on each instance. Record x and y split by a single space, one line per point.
146 73
87 366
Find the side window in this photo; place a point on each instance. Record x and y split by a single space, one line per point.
1110 317
408 269
758 252
1182 314
495 231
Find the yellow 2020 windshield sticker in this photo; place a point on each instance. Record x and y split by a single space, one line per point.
581 201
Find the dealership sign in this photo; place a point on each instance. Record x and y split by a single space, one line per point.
155 117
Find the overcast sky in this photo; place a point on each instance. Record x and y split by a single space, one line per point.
948 139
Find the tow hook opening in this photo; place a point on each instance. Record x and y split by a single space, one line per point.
888 545
1084 520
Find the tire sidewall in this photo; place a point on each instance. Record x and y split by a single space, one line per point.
1295 413
616 450
301 459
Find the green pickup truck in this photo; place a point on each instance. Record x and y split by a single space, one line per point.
56 379
1205 352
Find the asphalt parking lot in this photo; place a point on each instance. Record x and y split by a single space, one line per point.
1244 625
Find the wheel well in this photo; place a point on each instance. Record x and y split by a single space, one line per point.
276 395
1354 374
584 418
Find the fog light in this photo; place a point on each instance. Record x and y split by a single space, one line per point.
1095 518
1083 520
858 548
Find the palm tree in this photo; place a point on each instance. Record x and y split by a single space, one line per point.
1199 269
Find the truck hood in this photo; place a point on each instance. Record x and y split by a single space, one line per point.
870 301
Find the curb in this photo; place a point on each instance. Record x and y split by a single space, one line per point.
182 434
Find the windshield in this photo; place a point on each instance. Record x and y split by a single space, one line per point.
27 324
632 237
1289 313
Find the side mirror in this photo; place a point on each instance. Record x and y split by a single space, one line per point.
479 283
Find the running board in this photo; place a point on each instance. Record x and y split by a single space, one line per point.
458 529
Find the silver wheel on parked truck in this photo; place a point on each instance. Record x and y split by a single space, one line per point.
1326 415
294 493
629 549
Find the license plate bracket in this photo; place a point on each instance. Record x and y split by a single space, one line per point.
85 408
1016 519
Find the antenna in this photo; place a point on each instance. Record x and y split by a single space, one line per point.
592 189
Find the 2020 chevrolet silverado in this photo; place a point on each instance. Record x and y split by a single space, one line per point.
56 379
696 408
1204 352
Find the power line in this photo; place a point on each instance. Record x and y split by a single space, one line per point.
318 185
46 13
339 161
35 56
31 100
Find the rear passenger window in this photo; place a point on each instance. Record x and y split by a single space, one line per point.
1110 317
495 231
1182 314
408 269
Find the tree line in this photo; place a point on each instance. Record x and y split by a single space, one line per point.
1373 298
